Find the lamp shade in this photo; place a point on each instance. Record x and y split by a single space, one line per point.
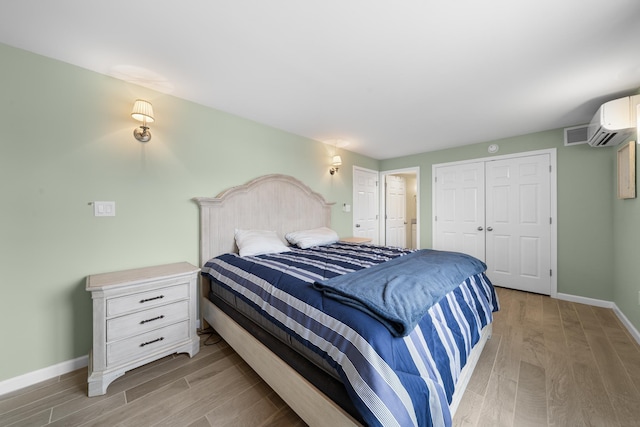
337 161
142 110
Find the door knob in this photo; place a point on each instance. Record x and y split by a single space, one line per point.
357 225
480 228
489 228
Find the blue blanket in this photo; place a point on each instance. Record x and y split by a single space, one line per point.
399 292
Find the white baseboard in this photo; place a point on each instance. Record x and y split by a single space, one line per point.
632 330
584 300
606 304
43 374
30 378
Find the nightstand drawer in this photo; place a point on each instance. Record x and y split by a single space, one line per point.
146 320
148 299
141 345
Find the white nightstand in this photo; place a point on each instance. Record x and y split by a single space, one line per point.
140 316
355 240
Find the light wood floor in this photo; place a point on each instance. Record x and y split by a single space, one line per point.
554 363
549 362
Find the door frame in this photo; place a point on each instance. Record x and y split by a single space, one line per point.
553 194
382 199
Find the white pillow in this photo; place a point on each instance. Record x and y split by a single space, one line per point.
258 242
315 237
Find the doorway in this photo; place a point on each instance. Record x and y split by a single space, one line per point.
400 206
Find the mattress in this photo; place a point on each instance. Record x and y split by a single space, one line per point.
298 357
390 380
219 293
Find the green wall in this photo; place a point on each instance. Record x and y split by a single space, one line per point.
585 208
626 219
66 140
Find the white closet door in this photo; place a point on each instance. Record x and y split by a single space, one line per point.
518 229
500 212
459 209
395 215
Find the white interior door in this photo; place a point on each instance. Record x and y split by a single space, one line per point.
518 223
395 211
365 204
499 211
459 209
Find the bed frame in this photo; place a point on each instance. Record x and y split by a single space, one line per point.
284 204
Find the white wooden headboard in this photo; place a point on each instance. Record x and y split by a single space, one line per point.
270 202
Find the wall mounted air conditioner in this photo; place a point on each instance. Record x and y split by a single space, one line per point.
613 123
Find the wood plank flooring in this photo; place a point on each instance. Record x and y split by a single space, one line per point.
554 363
549 363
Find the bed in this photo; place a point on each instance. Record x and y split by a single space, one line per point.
339 371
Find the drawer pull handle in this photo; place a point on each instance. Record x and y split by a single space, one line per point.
142 301
151 342
151 320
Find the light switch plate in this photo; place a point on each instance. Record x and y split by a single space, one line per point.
104 208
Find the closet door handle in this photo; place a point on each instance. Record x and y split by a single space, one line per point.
489 228
480 228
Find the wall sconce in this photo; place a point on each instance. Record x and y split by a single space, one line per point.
337 161
143 112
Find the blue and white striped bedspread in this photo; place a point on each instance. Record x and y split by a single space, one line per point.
401 381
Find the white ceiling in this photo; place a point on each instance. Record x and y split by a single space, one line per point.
392 77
